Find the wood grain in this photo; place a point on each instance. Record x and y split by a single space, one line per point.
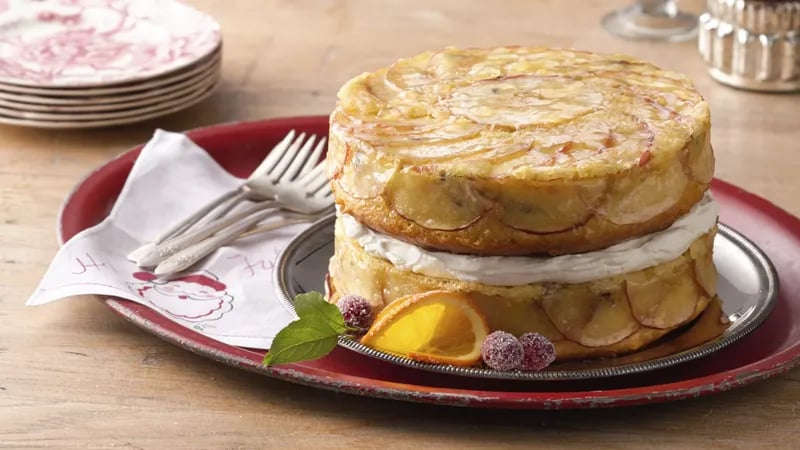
73 375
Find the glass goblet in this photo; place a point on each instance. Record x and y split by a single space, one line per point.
659 20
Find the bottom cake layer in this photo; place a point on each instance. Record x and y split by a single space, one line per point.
604 317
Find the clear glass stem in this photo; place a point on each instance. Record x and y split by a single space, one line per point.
668 8
652 19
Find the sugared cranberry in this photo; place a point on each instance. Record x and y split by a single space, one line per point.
356 311
538 351
501 351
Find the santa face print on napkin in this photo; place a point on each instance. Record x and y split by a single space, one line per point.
197 297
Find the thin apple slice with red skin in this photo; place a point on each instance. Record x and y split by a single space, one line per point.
709 324
515 317
376 84
408 73
473 150
701 161
448 64
611 322
405 138
638 198
333 166
338 150
706 274
591 319
523 100
537 321
362 177
449 203
603 138
663 303
552 208
358 100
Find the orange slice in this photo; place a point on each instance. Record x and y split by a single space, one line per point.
437 326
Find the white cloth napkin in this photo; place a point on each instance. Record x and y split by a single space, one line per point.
230 297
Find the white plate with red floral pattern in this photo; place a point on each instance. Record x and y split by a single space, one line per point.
95 63
90 43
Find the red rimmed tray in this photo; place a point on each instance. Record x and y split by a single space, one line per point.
771 349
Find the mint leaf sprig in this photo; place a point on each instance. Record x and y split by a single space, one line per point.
313 335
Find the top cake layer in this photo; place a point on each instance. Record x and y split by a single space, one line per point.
519 150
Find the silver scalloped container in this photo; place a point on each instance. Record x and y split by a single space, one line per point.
752 44
748 285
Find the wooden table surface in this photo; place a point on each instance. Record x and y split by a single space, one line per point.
74 374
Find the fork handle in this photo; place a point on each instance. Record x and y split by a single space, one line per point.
187 257
275 225
200 216
172 246
186 223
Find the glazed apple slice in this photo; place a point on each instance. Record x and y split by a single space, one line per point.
660 303
338 149
515 317
376 84
701 163
706 274
639 198
611 322
357 99
408 73
711 323
701 252
523 100
447 136
590 319
363 178
435 202
478 150
447 64
535 320
551 208
334 163
410 139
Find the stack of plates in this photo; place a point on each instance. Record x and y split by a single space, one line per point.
93 63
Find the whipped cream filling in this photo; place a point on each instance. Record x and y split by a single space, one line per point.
628 256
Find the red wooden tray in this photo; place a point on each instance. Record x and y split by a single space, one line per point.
771 349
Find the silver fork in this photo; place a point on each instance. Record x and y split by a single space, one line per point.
308 197
285 162
285 157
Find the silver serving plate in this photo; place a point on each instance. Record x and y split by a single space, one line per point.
748 285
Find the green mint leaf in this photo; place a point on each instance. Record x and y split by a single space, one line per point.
301 340
312 336
312 305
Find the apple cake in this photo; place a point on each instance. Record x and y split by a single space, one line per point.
584 314
517 151
565 192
